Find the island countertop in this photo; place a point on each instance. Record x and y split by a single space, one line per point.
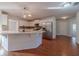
13 32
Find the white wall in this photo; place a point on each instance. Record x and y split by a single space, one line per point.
65 27
62 27
71 22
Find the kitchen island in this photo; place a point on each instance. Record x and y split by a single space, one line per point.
13 41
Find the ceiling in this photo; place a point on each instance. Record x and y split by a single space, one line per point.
38 9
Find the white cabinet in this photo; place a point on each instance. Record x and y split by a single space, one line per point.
3 19
3 25
13 25
22 22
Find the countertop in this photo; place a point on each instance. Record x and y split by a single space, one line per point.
13 32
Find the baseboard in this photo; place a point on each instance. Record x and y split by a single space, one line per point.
65 35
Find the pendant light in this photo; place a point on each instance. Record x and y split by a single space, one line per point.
26 13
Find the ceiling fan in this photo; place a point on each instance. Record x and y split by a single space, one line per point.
65 5
70 4
74 3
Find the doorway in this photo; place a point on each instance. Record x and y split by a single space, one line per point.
74 30
74 34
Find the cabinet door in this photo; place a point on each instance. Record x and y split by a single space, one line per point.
3 19
13 25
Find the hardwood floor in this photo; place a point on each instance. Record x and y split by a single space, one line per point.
61 46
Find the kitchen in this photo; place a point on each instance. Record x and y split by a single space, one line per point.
39 28
21 34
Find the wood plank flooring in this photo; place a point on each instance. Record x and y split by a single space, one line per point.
61 46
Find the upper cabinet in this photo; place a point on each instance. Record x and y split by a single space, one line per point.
22 22
3 19
3 22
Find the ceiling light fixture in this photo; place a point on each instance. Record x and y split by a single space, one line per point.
55 7
26 13
29 15
65 17
24 16
61 6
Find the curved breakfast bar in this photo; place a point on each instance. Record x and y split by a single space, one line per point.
13 41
